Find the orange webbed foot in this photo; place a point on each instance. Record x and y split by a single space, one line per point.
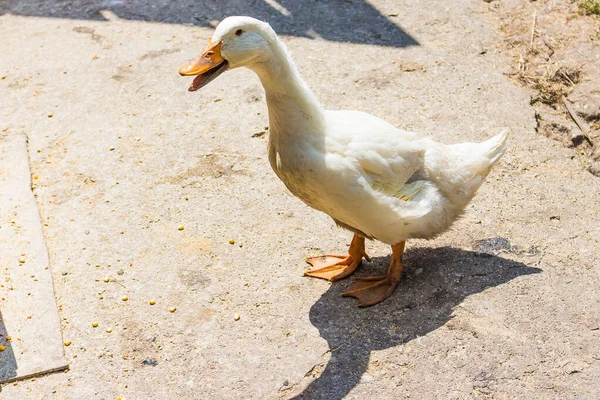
371 290
331 267
374 289
334 267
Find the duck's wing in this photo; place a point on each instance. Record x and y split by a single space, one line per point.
388 157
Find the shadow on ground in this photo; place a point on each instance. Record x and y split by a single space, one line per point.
354 21
8 363
435 281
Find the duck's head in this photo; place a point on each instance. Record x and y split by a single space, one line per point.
237 42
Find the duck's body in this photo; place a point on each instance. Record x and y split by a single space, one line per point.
372 178
379 181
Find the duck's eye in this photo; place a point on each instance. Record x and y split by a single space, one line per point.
239 32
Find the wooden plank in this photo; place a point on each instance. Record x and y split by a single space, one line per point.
28 312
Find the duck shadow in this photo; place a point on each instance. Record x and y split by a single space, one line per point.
353 21
435 281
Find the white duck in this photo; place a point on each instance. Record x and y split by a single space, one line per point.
372 178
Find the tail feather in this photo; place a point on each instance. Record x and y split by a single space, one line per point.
496 146
460 169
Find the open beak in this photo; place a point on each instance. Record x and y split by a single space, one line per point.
206 67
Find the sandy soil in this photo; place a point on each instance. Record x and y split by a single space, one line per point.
505 306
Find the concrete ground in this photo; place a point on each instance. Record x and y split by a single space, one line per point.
504 306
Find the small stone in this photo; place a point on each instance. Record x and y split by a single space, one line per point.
67 342
50 115
124 298
108 330
95 324
152 302
111 148
105 280
231 241
2 347
237 317
180 227
172 309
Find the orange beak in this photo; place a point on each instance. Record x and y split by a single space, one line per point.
206 67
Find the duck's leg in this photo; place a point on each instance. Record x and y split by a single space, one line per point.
373 289
333 267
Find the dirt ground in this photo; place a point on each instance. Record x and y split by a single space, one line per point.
504 306
554 46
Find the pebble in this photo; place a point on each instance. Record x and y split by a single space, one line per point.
67 342
237 317
152 302
180 227
172 309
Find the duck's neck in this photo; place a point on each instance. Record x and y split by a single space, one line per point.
294 111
